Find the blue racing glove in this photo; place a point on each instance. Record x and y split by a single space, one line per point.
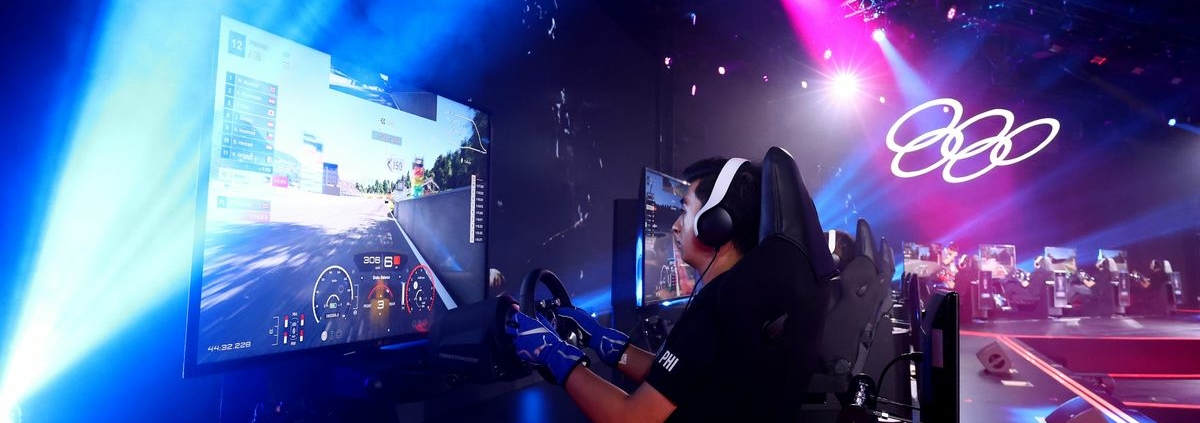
608 343
537 344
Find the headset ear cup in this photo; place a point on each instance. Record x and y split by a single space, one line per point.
715 227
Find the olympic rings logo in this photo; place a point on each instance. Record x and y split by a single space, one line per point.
951 138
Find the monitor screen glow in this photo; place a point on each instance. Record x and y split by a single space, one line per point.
665 276
335 207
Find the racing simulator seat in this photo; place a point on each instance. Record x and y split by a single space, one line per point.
854 311
798 273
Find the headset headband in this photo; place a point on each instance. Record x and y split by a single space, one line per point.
719 189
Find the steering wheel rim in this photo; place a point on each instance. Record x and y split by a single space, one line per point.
566 328
551 282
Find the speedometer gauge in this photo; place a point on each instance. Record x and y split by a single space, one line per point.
333 294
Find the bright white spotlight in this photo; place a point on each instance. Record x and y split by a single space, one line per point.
9 412
804 84
828 54
721 70
845 85
882 100
693 90
878 35
1171 122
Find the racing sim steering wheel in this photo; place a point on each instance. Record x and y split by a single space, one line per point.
567 329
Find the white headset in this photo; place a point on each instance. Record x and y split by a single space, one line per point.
719 226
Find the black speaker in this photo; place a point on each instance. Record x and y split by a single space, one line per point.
994 359
1076 410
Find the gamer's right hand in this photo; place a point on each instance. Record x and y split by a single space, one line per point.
609 344
537 344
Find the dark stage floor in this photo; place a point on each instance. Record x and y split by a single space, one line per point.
1140 368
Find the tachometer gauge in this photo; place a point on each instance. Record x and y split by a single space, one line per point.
418 290
333 294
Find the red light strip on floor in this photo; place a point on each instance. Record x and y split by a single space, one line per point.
974 333
1186 310
1102 338
1153 376
1161 405
1107 338
1109 410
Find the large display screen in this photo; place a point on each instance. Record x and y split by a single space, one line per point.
664 275
1062 259
336 206
1119 257
999 259
930 259
920 259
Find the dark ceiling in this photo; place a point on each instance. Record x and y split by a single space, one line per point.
1141 55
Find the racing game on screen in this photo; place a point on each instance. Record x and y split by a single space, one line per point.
664 274
338 207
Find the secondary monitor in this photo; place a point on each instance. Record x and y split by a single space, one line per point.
663 276
938 388
336 208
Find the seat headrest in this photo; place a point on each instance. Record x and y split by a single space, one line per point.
864 239
887 260
788 210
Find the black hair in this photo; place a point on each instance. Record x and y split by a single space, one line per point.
743 200
843 248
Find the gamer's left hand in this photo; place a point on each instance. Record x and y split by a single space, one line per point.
609 344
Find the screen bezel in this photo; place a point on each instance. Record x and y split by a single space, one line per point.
191 368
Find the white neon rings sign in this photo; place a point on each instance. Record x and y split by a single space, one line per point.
951 138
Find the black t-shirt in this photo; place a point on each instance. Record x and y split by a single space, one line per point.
717 364
1158 279
684 367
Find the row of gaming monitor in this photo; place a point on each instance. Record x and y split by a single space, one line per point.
928 259
339 210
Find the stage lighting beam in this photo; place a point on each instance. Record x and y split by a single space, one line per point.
845 85
9 412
